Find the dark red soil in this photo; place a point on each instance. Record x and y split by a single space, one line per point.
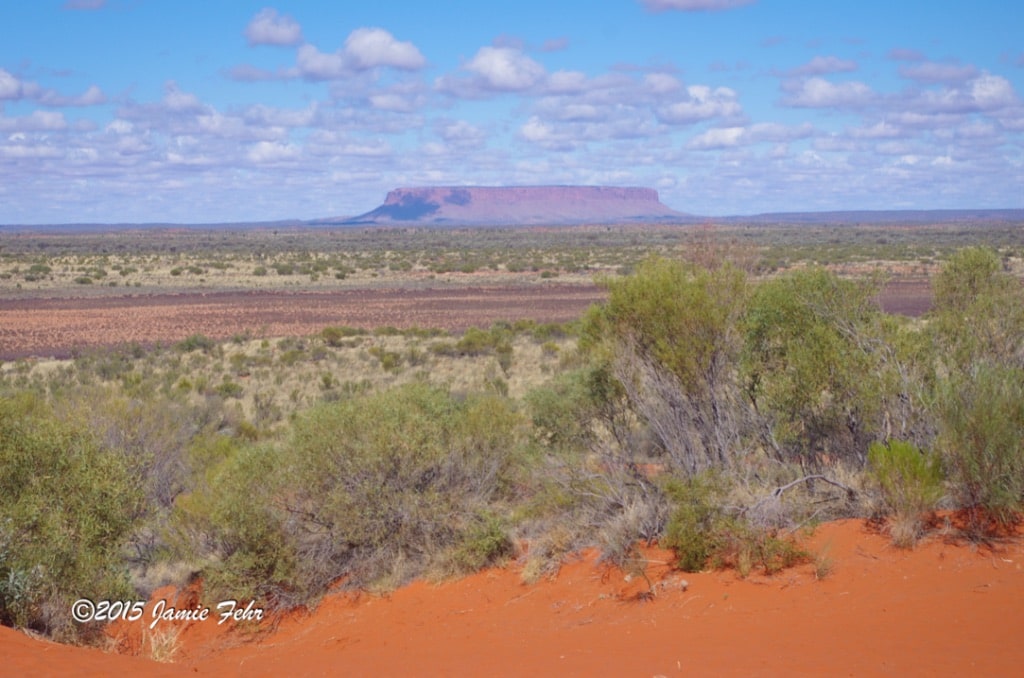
58 327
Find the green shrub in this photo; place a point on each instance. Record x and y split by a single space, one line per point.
230 389
701 532
475 341
690 531
484 543
671 335
374 488
67 507
981 420
196 342
813 364
911 483
333 336
979 312
232 524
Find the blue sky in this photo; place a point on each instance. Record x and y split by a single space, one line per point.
189 111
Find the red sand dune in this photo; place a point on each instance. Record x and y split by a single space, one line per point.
942 609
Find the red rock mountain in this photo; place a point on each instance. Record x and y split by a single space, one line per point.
519 205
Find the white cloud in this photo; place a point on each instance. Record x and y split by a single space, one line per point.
90 97
661 83
461 134
880 130
820 65
985 93
932 72
505 69
36 121
821 93
536 130
702 103
731 137
992 91
718 137
272 152
119 126
270 28
373 47
10 86
365 49
693 5
566 82
178 101
317 65
261 114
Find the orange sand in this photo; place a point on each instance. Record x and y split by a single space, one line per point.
941 609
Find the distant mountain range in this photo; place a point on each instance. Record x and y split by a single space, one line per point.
442 206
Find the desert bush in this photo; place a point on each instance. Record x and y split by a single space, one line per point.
702 532
690 531
229 389
483 543
813 365
334 336
232 525
911 483
981 420
196 342
671 337
373 488
979 312
67 507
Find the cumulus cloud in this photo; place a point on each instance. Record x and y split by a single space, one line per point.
693 5
662 83
821 93
461 134
316 65
365 49
545 135
731 137
505 69
264 152
932 72
555 44
373 47
986 92
880 130
36 121
821 65
177 101
270 28
904 54
263 115
91 97
10 86
701 103
566 82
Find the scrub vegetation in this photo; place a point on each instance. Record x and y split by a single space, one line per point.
703 406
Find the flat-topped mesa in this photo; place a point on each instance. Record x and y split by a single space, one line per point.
513 205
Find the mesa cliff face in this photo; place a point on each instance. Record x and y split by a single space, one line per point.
478 205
